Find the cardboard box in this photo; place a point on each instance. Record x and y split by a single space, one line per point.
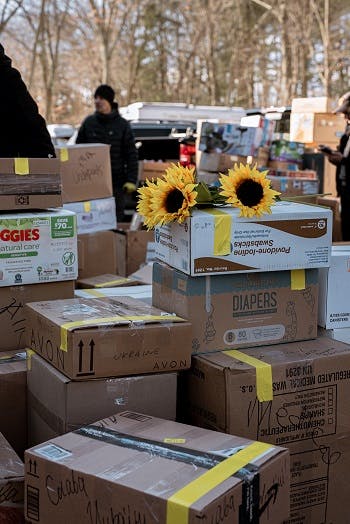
316 104
308 414
29 183
12 301
131 249
286 151
317 128
13 393
334 306
210 243
144 274
107 280
294 186
107 337
136 468
11 485
149 169
295 173
97 254
283 166
329 177
141 292
215 162
149 394
85 171
94 215
38 247
242 309
334 204
231 139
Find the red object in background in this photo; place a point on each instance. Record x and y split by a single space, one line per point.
187 154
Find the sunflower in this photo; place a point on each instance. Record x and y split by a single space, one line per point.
248 189
143 207
169 198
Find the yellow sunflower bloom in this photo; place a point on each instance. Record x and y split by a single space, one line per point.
248 189
169 198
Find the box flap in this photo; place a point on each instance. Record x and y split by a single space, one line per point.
11 466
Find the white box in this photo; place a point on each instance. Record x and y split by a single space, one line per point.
38 247
334 290
294 236
94 215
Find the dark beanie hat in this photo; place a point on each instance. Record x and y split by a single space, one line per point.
106 92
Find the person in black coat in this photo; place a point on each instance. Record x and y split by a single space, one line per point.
23 131
341 159
106 126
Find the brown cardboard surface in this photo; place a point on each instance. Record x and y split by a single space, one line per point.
85 401
86 175
131 249
135 337
39 189
106 280
316 128
97 254
150 169
131 477
11 485
12 314
334 204
144 274
13 394
293 186
308 414
230 311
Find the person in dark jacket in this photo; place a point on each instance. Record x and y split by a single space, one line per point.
23 131
341 159
108 127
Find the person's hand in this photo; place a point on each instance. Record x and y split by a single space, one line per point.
335 157
129 187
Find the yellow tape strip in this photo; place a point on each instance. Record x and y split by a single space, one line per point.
222 232
87 207
117 319
174 440
64 154
30 353
178 505
21 166
264 390
94 293
112 282
297 279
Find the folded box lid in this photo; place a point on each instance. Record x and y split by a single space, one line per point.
11 466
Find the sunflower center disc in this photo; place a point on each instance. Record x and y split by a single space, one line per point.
250 193
174 201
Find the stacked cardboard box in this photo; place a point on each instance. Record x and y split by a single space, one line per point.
243 283
136 468
38 260
87 190
11 484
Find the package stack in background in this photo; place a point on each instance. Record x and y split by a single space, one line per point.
87 190
136 468
244 283
38 261
313 123
93 357
220 145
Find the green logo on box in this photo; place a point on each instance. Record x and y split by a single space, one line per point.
68 258
62 227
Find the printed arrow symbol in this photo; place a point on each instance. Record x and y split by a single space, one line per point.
80 346
92 345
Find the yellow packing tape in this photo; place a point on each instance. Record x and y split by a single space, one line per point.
178 505
94 293
30 352
21 166
117 319
111 282
87 207
222 232
174 440
264 391
64 154
297 279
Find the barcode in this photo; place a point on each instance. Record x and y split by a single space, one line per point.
53 452
69 269
135 416
32 503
